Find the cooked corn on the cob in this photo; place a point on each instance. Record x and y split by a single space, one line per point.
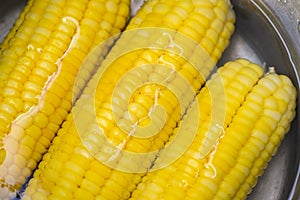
144 127
218 102
29 6
225 160
149 71
38 64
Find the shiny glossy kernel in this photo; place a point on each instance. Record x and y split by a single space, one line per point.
137 111
18 76
33 131
111 6
52 99
55 118
24 150
12 83
75 168
83 194
53 127
143 100
282 94
67 185
11 92
161 8
113 186
33 87
173 20
47 108
219 13
109 17
40 120
207 44
212 35
90 186
123 9
73 12
189 31
41 74
16 103
59 194
65 105
2 155
38 41
7 110
105 124
48 66
44 140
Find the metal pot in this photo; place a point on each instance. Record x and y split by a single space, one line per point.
268 33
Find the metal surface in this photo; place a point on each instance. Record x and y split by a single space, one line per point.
9 11
267 32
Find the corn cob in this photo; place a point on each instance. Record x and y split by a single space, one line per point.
251 139
221 92
268 130
4 44
36 85
69 169
18 39
225 160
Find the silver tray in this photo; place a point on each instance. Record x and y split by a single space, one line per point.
267 32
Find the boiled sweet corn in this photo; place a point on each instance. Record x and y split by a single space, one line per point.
225 160
157 70
270 124
38 63
225 90
6 41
